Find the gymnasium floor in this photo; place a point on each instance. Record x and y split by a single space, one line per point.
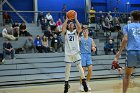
99 86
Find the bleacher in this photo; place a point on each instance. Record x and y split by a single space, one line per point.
39 68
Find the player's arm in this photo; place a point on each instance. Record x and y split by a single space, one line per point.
123 44
64 26
93 45
78 24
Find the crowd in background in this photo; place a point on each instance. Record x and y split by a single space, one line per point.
52 39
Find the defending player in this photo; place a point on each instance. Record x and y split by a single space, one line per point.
86 45
132 40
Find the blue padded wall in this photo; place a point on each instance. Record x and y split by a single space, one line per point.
78 5
25 5
56 5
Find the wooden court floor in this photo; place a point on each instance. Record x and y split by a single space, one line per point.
99 86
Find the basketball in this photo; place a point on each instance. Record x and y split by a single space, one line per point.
71 14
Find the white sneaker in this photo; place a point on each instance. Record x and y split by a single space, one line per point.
89 88
81 88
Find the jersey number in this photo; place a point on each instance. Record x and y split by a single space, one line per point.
71 38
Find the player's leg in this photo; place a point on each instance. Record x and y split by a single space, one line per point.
131 62
67 75
79 66
68 60
81 86
89 64
83 63
126 80
89 75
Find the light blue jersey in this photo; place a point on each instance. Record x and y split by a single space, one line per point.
132 30
85 45
85 50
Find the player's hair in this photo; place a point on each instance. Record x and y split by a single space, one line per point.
135 15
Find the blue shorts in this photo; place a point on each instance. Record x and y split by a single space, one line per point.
86 60
133 58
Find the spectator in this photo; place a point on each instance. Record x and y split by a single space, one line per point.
52 25
55 43
59 25
64 10
45 45
61 40
92 15
23 31
105 24
40 17
15 27
6 18
49 17
29 45
109 47
110 18
38 44
8 49
44 24
5 33
48 32
116 24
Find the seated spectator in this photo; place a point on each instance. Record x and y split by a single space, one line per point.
22 30
116 24
38 44
48 32
16 32
109 47
15 27
7 33
105 24
6 18
29 45
45 45
61 40
52 25
8 49
110 18
55 43
44 24
15 24
59 25
49 17
40 17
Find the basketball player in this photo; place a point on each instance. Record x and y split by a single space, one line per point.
132 39
86 45
72 51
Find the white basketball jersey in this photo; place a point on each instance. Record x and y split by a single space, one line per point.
71 43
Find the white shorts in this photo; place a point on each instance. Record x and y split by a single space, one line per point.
72 58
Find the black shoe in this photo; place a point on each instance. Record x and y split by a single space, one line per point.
67 86
84 85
